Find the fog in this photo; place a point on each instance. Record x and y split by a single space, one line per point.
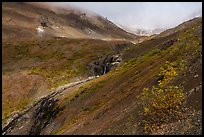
146 15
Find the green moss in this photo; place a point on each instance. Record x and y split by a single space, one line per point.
55 76
47 56
87 92
60 83
24 103
21 51
35 70
127 65
21 105
3 72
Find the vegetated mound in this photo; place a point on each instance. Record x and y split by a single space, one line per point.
21 21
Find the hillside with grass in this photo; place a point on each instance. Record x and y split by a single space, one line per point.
34 68
154 87
29 20
157 92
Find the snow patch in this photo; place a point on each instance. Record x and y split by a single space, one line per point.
62 36
40 29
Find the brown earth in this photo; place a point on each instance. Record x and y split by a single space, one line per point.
21 20
109 104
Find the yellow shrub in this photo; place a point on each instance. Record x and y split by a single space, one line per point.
167 73
162 105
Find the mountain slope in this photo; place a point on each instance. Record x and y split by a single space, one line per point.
37 59
33 68
130 99
23 21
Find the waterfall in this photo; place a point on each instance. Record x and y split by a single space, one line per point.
104 72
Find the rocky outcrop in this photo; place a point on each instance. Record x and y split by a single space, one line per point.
36 117
167 44
105 64
43 115
43 21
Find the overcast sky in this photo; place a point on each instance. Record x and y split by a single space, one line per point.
147 15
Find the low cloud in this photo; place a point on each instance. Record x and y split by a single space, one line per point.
146 15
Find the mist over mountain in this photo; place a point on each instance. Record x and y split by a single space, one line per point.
73 70
42 20
141 31
145 15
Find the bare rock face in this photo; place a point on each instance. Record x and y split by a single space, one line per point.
44 114
43 21
167 44
34 120
105 64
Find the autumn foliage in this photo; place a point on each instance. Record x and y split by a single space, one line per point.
162 103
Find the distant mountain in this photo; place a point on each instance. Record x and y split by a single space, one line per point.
146 32
58 80
143 32
35 20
